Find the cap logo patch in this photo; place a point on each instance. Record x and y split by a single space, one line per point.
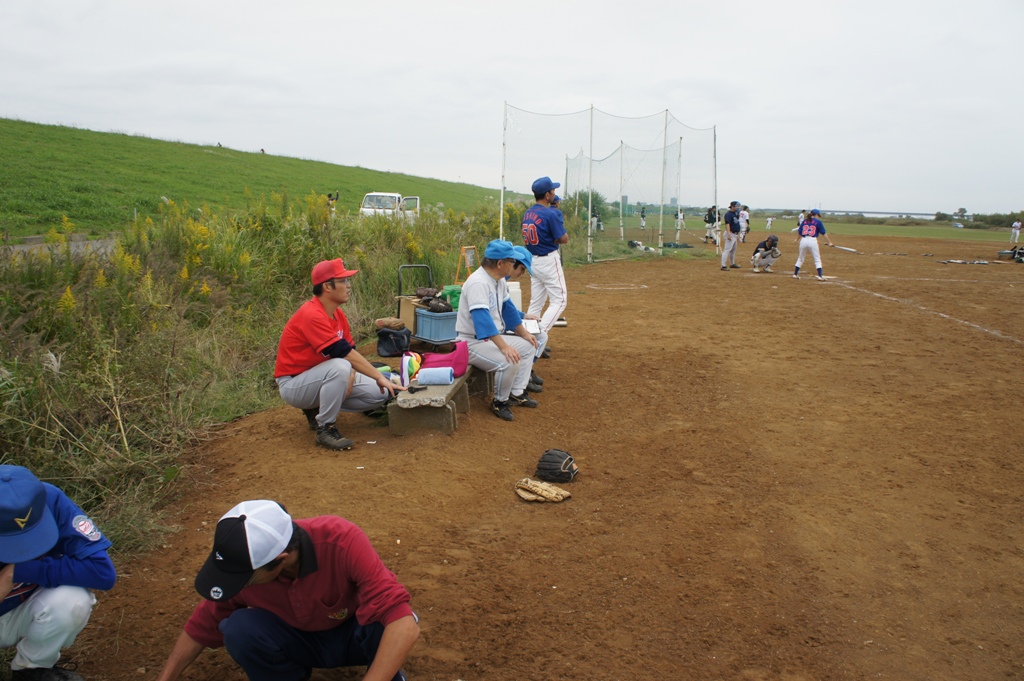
216 593
22 522
86 528
216 554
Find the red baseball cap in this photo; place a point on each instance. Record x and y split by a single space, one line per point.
330 269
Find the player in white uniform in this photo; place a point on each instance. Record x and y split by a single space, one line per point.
1015 232
810 230
486 312
744 223
768 224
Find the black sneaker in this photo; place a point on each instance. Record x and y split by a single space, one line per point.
311 417
45 674
532 387
523 400
502 411
546 354
725 269
734 266
534 378
328 436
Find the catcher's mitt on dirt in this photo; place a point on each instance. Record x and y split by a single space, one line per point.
534 490
776 253
390 323
556 465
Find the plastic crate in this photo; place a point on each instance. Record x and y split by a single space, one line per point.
435 327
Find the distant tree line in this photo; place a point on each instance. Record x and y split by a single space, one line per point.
981 220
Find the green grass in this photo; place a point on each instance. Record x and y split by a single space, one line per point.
98 180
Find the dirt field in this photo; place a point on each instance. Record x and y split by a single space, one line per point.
781 479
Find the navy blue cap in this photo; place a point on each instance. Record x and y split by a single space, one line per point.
27 528
815 211
544 185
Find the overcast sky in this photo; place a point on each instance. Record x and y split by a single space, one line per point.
886 105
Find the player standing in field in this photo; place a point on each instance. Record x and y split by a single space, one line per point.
732 236
1015 232
711 226
643 217
543 232
744 223
809 231
768 224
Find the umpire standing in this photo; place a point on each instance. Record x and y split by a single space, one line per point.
732 236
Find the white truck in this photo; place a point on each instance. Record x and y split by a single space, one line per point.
390 204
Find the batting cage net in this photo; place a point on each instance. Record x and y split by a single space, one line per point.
612 167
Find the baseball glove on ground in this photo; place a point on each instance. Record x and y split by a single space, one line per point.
776 253
534 490
393 323
556 465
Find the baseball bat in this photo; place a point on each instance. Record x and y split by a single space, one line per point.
844 248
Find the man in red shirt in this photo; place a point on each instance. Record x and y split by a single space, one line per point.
286 597
318 368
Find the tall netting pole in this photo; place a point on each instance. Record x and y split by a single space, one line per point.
504 144
679 189
622 226
664 157
714 156
590 189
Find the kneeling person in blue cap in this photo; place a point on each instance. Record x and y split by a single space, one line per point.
51 554
486 311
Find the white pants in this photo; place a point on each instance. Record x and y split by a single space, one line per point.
763 259
508 377
729 251
808 244
547 285
1014 235
49 620
326 386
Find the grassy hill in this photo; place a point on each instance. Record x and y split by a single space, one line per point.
99 179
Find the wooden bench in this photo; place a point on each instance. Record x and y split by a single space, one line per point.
437 407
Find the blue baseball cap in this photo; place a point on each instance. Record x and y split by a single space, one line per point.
555 200
815 212
544 185
525 257
27 528
501 250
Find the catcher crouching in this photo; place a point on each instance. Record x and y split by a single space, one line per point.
766 254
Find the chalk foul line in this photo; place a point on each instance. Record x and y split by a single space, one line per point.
943 315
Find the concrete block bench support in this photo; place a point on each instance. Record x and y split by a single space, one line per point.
436 408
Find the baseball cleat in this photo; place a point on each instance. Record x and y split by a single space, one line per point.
768 269
535 379
757 270
734 266
725 269
502 411
328 436
311 417
820 278
796 276
532 387
522 400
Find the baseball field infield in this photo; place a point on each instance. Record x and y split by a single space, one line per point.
780 479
